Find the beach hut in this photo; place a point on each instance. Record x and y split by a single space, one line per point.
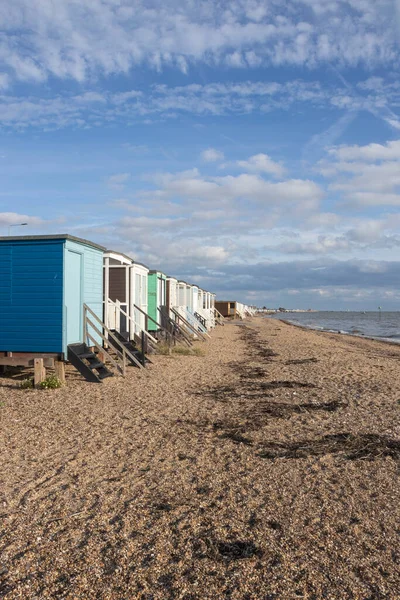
49 286
188 308
172 295
204 308
157 299
189 298
194 295
141 274
125 293
200 299
227 308
117 290
182 295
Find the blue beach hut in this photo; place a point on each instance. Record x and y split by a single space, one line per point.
44 283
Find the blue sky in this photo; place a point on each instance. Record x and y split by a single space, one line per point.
251 147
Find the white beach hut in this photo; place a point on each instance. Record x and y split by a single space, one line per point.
182 295
172 295
125 293
194 294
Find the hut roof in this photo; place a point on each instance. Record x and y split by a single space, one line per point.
60 236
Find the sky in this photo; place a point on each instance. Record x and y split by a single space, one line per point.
250 147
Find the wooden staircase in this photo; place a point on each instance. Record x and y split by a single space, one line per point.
201 319
193 327
88 363
99 337
121 340
219 319
176 332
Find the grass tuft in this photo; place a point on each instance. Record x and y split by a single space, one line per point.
26 384
164 349
52 382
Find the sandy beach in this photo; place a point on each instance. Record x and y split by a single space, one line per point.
266 469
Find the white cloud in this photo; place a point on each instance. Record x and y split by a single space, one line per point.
322 220
82 40
322 245
94 108
369 153
150 223
365 175
11 218
262 163
212 155
117 181
4 81
371 266
301 194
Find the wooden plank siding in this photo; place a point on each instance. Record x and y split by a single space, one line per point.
155 301
92 280
227 308
31 296
152 284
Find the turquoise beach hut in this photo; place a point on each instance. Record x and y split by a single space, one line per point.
157 293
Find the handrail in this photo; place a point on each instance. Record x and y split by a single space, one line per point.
176 325
100 349
125 351
200 324
208 315
110 333
219 314
189 325
151 319
200 319
133 320
103 337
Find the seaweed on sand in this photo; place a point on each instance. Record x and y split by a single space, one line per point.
368 446
228 550
286 409
232 432
302 361
273 385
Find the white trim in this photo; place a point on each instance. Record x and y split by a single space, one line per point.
121 257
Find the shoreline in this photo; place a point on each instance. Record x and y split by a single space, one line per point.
333 332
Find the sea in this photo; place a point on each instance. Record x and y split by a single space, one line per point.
377 325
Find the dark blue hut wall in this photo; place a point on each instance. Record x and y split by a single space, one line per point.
31 296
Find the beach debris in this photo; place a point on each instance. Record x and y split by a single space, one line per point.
266 352
163 506
236 437
219 394
253 390
256 416
233 432
285 409
237 550
231 550
302 361
252 373
368 446
273 385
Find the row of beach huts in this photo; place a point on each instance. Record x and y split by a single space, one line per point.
63 298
